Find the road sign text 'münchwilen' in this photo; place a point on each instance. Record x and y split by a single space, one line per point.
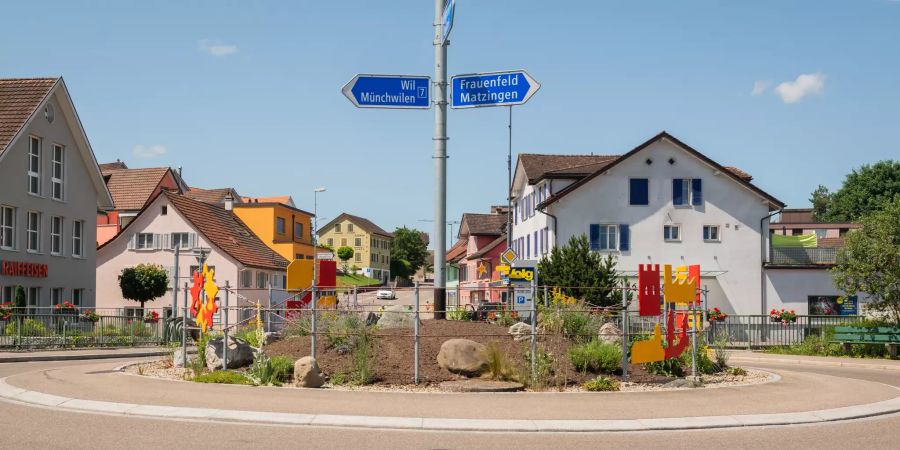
389 91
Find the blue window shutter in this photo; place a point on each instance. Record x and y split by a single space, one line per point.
624 238
638 192
595 236
697 191
677 193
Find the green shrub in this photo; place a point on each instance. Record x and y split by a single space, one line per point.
737 371
30 327
297 327
499 367
572 321
601 384
362 359
596 356
223 377
543 367
672 367
459 314
705 365
343 330
339 379
507 318
282 368
249 335
265 372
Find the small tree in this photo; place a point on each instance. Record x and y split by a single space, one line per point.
581 273
143 283
408 252
20 300
345 253
865 190
870 261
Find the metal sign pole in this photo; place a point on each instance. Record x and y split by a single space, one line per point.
184 317
225 329
625 330
440 161
175 285
416 380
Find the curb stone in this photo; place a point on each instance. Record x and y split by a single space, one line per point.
18 395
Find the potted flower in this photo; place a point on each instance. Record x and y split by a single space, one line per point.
65 308
783 316
151 317
6 311
90 316
715 315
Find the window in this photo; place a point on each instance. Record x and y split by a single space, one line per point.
78 238
710 232
261 279
639 192
820 233
330 242
57 172
279 225
181 241
536 244
358 257
343 242
337 228
77 296
56 229
165 210
463 272
298 230
144 241
246 279
603 237
56 296
687 191
349 227
358 242
796 231
32 297
672 232
527 246
34 166
7 294
7 227
33 232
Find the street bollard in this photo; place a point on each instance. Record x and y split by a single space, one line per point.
416 374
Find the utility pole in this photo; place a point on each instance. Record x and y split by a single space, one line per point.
440 161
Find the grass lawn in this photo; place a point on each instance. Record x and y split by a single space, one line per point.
356 280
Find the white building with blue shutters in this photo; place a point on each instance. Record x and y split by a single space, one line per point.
661 203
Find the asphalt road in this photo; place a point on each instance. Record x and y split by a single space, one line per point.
32 427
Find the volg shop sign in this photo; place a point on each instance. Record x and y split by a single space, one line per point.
23 269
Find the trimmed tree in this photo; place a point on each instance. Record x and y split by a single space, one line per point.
143 283
344 254
20 300
581 273
408 252
869 262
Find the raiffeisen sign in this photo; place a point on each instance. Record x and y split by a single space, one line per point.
23 269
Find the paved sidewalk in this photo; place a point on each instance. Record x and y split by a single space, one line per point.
859 363
82 354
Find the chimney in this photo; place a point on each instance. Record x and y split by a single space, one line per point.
179 171
229 201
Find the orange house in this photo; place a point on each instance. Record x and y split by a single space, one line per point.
277 222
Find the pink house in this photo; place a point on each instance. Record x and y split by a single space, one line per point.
483 238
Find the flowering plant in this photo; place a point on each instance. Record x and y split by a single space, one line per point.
715 315
65 308
90 316
783 316
6 310
151 317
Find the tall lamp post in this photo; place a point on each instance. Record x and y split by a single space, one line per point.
315 280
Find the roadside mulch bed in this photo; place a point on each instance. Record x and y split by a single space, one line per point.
394 353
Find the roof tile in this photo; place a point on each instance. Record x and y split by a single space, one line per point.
19 97
132 188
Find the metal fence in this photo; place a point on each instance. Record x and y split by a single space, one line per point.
31 330
802 256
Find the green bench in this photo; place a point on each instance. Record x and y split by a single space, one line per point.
888 336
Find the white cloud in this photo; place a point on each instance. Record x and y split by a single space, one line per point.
805 85
760 86
216 48
152 151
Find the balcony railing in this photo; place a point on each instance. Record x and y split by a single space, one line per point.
802 256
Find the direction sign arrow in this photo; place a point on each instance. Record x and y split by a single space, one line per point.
447 21
492 89
389 91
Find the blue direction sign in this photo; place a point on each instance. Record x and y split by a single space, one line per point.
492 89
447 21
389 91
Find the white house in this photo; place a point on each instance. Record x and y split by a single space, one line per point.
50 191
661 203
172 221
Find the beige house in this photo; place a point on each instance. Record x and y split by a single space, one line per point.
370 243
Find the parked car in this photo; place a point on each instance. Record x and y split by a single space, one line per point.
385 294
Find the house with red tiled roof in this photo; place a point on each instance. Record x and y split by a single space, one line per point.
50 191
472 261
371 244
171 231
216 196
131 189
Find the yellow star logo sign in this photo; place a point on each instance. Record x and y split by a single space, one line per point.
482 269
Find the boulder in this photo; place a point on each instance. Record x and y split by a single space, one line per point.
177 358
240 353
686 382
520 331
307 373
610 333
397 316
463 357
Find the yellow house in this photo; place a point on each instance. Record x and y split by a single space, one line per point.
277 222
370 243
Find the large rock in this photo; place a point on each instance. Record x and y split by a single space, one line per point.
397 316
462 356
178 358
307 373
520 331
240 353
610 333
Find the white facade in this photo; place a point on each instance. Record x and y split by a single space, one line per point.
731 264
50 191
162 220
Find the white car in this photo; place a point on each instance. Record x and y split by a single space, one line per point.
385 294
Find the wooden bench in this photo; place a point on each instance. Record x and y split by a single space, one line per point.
888 336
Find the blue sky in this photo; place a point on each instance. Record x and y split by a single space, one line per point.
247 93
